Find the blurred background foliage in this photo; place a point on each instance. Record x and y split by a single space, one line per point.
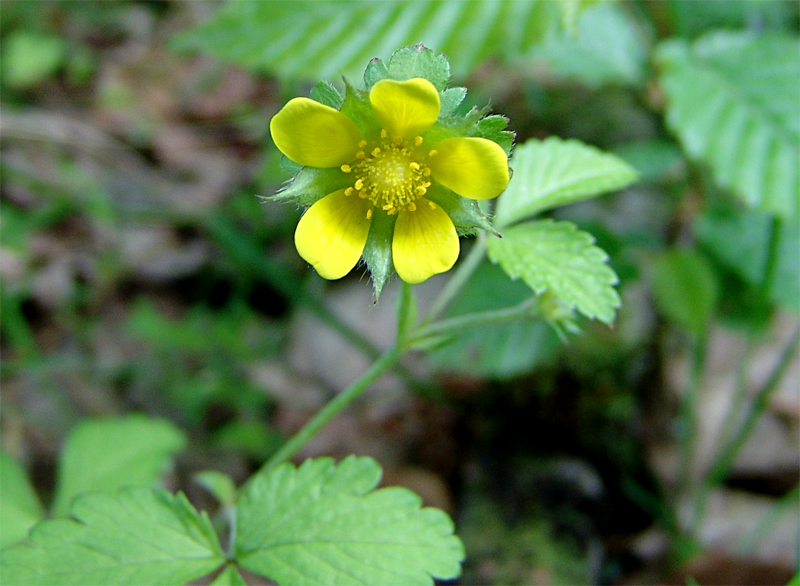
140 272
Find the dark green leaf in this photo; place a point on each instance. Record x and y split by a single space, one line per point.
686 289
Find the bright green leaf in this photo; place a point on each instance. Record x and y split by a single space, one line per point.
105 454
500 350
557 257
732 99
19 506
323 524
139 536
30 57
685 289
324 38
556 172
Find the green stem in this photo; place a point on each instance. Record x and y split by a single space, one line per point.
688 417
723 464
525 309
458 280
333 407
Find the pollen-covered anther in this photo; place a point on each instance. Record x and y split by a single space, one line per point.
348 191
384 134
359 184
412 206
417 140
376 151
414 166
346 168
433 153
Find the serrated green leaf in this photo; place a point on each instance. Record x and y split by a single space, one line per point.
559 258
139 536
499 350
322 39
556 172
606 48
105 454
20 508
742 241
323 524
378 251
732 101
685 288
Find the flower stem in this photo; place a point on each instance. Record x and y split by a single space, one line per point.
458 280
334 406
525 309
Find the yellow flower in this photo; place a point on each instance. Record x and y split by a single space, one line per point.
388 173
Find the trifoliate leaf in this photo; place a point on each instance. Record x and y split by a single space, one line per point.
556 257
323 524
555 172
19 506
685 289
139 536
105 454
732 101
322 38
500 350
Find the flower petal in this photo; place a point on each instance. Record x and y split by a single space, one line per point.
473 167
425 242
314 134
332 233
405 108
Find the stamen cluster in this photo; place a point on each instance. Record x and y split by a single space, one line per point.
390 173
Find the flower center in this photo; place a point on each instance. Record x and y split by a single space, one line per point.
390 174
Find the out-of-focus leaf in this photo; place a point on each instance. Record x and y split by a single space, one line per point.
607 48
693 17
325 38
732 101
30 57
742 240
686 289
292 519
654 160
557 258
19 506
556 172
106 454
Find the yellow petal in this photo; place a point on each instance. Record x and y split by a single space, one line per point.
425 242
476 168
405 108
314 134
332 233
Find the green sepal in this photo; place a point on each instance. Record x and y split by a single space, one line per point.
310 185
326 93
466 214
419 61
493 128
230 576
450 99
376 70
358 108
378 249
